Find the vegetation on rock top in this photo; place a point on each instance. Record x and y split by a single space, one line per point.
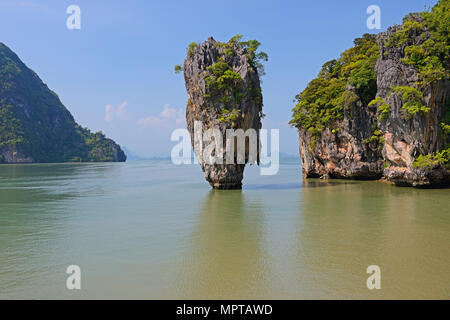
425 44
224 86
325 99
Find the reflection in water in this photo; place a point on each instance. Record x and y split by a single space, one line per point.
344 230
281 186
28 184
152 230
226 260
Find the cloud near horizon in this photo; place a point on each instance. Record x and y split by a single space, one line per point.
111 113
168 116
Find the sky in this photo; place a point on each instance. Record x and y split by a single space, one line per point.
115 73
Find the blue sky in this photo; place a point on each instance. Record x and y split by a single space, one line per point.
115 74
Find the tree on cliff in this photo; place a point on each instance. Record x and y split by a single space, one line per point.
388 94
224 92
36 127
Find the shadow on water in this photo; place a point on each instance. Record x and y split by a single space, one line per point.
28 184
317 183
281 186
226 259
51 172
307 183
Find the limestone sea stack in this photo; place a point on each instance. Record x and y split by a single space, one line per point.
383 108
224 92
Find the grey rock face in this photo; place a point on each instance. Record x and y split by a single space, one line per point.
408 137
207 107
343 154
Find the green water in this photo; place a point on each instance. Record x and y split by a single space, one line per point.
153 230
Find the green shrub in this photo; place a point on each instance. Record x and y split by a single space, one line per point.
228 52
382 106
226 116
432 160
223 83
41 127
348 100
445 124
235 40
431 56
326 97
178 69
191 48
412 100
376 140
255 58
445 128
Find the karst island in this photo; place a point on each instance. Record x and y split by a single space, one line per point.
382 109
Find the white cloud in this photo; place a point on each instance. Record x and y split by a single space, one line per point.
168 117
121 109
180 117
120 112
109 110
168 112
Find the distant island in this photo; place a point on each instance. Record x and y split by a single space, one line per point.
35 127
383 108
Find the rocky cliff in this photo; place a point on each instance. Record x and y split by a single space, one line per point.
36 127
223 86
342 151
382 108
412 127
336 125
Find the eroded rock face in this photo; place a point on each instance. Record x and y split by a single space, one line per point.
406 137
341 152
401 136
208 103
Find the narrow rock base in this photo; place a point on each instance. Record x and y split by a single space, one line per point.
226 186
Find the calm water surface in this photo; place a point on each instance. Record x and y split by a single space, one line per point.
149 229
